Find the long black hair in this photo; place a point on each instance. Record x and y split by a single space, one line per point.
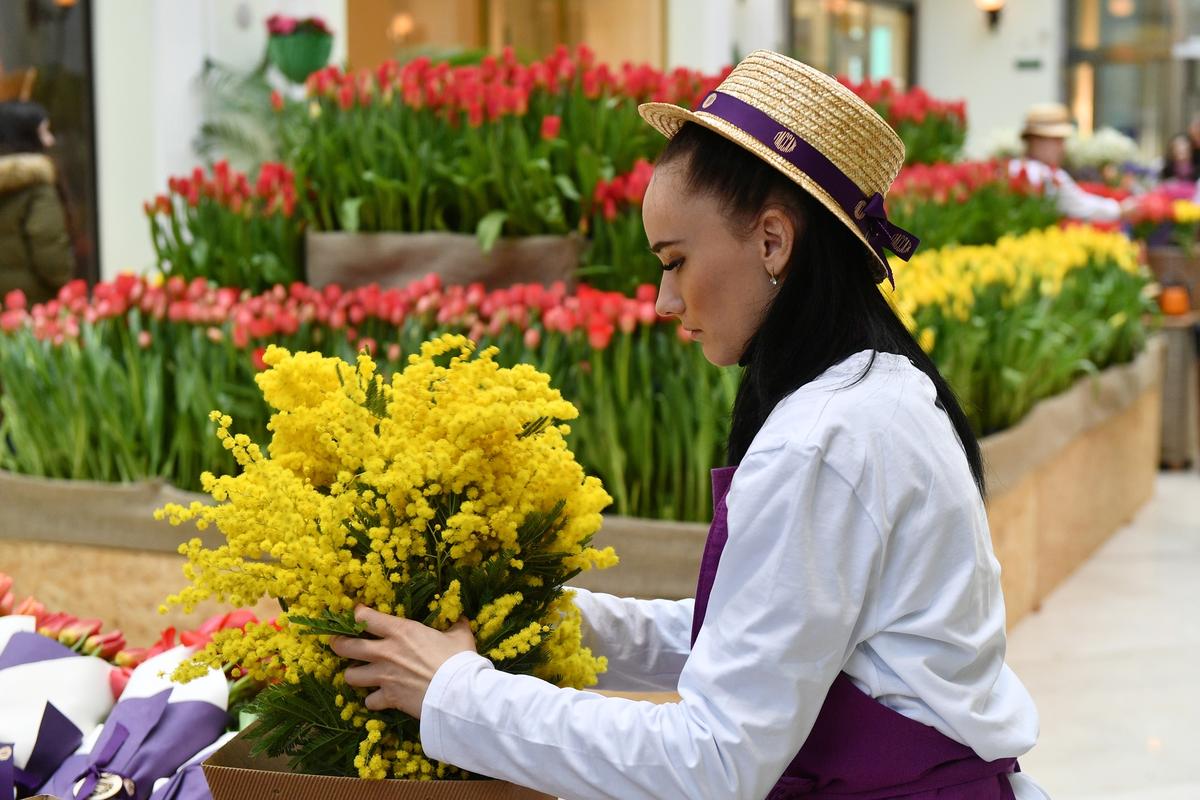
19 123
827 309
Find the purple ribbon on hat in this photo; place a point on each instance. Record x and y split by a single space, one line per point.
868 213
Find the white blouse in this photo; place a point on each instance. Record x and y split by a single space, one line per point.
857 542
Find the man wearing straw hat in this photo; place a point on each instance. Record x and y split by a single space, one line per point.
1047 128
847 636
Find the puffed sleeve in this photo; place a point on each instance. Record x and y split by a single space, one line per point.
788 606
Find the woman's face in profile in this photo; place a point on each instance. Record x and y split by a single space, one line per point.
719 285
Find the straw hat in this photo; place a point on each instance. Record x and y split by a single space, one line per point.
1051 120
812 129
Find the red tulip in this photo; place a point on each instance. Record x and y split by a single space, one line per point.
29 608
551 125
78 630
51 625
118 679
105 646
15 300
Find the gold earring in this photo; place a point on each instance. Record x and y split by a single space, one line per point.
774 280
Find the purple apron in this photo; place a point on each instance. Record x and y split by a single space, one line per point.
859 748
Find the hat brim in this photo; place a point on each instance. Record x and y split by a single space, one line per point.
667 119
1052 130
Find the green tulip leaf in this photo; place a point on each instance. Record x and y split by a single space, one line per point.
489 228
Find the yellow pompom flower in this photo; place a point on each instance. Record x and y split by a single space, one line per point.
444 490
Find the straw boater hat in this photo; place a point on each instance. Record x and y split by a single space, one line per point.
812 129
1051 120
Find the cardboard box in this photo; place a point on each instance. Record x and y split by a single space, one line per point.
232 774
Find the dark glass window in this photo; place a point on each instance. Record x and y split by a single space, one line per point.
46 53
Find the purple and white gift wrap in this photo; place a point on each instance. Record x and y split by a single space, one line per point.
50 696
188 782
156 727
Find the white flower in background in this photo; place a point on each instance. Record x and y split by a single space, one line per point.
1105 146
1004 143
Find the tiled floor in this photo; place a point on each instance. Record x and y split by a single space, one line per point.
1113 661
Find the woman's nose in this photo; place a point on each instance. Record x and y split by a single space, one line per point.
669 303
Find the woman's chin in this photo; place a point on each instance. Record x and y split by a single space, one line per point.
715 355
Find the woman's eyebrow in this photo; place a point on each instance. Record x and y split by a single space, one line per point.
654 248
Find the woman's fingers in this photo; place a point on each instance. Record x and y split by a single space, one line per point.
377 701
378 623
365 676
355 649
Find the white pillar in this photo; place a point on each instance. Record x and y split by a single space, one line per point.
126 163
999 72
762 25
701 34
148 56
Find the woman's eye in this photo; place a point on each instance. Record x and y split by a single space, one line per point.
673 265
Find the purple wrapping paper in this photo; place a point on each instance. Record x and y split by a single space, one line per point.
144 739
187 784
57 736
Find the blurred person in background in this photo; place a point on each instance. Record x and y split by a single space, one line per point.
1047 127
1193 134
35 247
1179 162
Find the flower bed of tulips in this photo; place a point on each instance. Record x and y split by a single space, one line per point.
119 386
428 146
218 226
494 148
971 202
1013 323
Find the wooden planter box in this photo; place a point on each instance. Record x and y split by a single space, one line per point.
1060 483
232 774
395 260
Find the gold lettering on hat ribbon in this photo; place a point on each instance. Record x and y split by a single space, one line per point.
708 101
785 141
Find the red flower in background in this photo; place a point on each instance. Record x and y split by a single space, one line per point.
551 125
281 25
218 622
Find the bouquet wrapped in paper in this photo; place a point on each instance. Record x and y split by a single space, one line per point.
50 698
445 491
157 726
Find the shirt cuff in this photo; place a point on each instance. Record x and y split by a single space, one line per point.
458 664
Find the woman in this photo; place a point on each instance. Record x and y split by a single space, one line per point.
35 250
1178 165
847 637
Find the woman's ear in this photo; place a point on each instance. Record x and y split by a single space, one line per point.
777 233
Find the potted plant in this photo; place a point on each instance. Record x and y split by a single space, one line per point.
298 47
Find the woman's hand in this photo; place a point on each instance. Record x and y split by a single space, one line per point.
401 663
